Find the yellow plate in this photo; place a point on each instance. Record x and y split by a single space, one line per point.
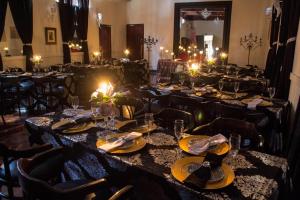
219 150
79 128
136 145
264 103
180 172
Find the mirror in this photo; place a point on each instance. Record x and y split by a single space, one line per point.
202 25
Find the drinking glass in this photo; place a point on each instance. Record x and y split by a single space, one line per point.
75 102
236 88
95 111
181 79
257 72
272 91
158 78
237 71
178 128
221 85
227 70
235 144
149 121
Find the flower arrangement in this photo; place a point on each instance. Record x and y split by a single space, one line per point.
105 94
36 59
194 69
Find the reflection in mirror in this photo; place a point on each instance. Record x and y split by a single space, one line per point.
203 26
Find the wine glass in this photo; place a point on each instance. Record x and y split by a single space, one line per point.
158 78
149 121
227 69
75 102
272 91
235 144
95 111
178 128
178 132
236 88
237 71
257 72
181 79
221 85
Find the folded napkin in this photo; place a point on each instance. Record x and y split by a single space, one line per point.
199 178
85 117
199 146
120 141
252 104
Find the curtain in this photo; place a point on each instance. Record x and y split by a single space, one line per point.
3 6
83 14
66 15
21 11
293 14
273 44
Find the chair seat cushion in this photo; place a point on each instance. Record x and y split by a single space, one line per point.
13 171
49 169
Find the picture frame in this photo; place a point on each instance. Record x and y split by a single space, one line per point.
50 36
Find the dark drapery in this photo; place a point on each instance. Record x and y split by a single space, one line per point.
21 11
273 44
3 6
66 15
83 14
293 14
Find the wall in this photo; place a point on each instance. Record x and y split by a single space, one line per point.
295 76
158 19
43 17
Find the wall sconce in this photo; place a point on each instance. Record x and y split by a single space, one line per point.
99 18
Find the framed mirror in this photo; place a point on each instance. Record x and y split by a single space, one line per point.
202 25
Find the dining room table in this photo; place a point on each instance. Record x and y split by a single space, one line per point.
254 175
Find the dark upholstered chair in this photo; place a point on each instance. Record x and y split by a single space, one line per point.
166 118
8 172
129 107
203 112
250 138
40 179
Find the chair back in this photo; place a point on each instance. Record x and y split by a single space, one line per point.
166 118
202 111
129 107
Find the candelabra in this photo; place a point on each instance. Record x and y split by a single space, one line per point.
150 41
250 42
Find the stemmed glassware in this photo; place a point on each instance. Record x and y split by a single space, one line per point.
257 72
95 111
158 78
149 122
235 144
178 132
181 79
227 69
75 102
221 85
237 71
272 91
236 88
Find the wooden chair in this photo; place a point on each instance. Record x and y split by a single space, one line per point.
250 138
8 172
39 179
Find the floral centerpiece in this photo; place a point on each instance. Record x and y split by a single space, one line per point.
105 97
36 60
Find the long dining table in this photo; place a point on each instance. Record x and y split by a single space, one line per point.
257 175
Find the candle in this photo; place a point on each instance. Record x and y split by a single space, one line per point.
223 55
126 52
106 89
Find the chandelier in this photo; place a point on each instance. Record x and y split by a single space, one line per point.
205 13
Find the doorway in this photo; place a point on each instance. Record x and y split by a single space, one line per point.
135 41
105 40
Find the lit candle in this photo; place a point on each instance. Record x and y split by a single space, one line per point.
223 56
126 52
217 48
106 89
161 52
173 55
201 52
6 49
